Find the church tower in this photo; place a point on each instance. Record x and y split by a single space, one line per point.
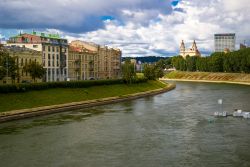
194 47
182 48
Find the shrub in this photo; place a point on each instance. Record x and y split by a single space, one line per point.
50 85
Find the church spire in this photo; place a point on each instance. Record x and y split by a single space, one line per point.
182 47
194 47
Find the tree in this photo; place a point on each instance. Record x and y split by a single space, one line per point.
149 72
152 72
128 72
35 70
191 63
8 66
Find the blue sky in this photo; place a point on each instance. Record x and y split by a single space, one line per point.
138 27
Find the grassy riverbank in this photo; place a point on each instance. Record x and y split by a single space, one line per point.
16 101
209 76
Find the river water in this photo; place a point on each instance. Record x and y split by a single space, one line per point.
174 129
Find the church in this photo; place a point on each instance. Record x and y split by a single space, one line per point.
191 52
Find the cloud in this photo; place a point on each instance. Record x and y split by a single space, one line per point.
70 15
139 28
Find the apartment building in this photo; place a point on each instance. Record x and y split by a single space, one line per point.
54 52
83 64
106 61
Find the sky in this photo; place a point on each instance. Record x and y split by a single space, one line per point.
137 27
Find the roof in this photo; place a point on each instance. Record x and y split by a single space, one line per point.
80 50
225 34
40 34
19 49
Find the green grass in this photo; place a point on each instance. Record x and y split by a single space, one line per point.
14 101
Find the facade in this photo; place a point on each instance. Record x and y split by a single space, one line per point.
193 51
224 41
82 64
22 57
106 61
54 52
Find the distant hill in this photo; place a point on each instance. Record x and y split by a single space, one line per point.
149 59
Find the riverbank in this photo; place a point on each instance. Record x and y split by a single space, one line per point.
74 98
232 78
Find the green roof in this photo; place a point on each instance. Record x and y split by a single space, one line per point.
41 34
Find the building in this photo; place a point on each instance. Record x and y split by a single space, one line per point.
243 46
224 41
22 56
54 52
106 61
193 51
82 64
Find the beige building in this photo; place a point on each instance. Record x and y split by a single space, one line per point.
22 57
96 62
82 64
193 51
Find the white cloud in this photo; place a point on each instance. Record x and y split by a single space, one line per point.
144 28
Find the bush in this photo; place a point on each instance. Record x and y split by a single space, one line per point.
72 84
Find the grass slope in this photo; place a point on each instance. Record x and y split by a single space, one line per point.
234 77
14 101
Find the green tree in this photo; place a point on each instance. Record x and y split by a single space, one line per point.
8 66
149 72
128 72
35 70
191 63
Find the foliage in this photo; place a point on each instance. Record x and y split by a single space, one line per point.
149 72
35 70
238 61
128 72
8 67
153 72
10 88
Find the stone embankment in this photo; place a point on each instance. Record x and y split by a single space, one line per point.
26 113
233 78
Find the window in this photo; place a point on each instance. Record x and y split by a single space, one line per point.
53 49
22 62
49 48
35 46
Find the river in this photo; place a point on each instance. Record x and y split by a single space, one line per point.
174 129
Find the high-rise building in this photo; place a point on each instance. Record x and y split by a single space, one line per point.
193 51
224 42
54 52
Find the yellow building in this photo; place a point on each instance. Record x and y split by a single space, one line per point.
22 57
107 61
193 51
82 64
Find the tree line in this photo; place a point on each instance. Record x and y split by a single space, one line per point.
237 61
150 71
